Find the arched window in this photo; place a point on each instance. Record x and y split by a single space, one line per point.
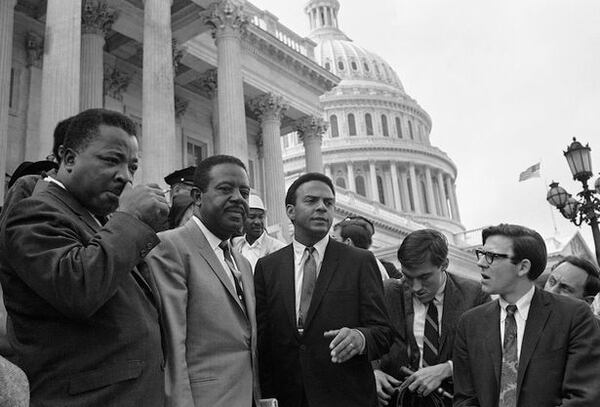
334 126
354 66
359 182
340 182
341 65
380 190
398 127
366 66
384 126
410 130
369 124
328 66
351 125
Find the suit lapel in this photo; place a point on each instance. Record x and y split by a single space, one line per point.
69 200
328 268
286 273
197 237
491 324
409 316
451 311
536 320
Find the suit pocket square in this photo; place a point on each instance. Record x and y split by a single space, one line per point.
105 376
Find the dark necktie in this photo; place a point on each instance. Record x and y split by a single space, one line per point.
237 276
510 362
431 338
308 286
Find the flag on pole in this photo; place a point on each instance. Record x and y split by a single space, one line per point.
531 172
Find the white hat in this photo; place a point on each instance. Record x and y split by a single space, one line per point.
255 202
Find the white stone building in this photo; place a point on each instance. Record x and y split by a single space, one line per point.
201 77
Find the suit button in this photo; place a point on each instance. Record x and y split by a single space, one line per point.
302 348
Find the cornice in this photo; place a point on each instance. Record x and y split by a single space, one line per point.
261 43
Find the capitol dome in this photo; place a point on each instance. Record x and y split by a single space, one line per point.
377 148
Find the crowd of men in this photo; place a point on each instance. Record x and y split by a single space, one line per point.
122 295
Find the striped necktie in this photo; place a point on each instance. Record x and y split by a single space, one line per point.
510 361
308 286
431 337
237 276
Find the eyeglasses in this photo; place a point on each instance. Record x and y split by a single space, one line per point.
490 256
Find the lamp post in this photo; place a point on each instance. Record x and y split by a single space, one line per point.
585 208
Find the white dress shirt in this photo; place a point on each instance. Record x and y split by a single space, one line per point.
521 315
214 243
262 246
420 310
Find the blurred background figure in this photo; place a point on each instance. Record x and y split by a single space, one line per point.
181 182
256 243
574 277
182 209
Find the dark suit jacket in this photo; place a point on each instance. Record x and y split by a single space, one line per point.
460 295
348 293
83 320
559 363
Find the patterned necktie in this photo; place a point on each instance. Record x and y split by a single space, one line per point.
308 286
432 337
510 362
237 276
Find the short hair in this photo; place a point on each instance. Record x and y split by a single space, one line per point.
290 196
359 234
60 131
526 244
83 128
592 283
202 173
423 245
358 219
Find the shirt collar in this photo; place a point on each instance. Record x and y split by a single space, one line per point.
257 243
213 240
55 181
299 249
522 303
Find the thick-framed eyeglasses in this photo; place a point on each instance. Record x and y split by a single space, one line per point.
490 256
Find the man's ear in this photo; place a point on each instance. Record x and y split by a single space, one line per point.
444 265
290 210
68 158
589 299
523 267
349 242
196 195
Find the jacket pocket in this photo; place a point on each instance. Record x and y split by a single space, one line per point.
105 376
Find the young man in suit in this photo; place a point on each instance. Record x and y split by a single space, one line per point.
424 308
208 294
83 319
320 310
529 347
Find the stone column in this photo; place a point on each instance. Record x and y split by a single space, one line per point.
96 20
62 68
395 189
415 189
350 171
35 48
405 194
443 198
208 83
429 191
455 200
228 21
159 140
269 109
7 20
451 192
373 177
310 130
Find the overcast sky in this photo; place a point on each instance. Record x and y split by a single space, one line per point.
507 84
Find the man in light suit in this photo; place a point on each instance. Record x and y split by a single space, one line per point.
529 347
423 256
320 310
208 295
83 318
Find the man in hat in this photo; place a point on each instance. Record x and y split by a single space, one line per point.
181 182
256 243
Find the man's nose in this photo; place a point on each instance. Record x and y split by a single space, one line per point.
124 174
416 285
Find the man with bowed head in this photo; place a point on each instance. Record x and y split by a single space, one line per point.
83 319
320 310
529 347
